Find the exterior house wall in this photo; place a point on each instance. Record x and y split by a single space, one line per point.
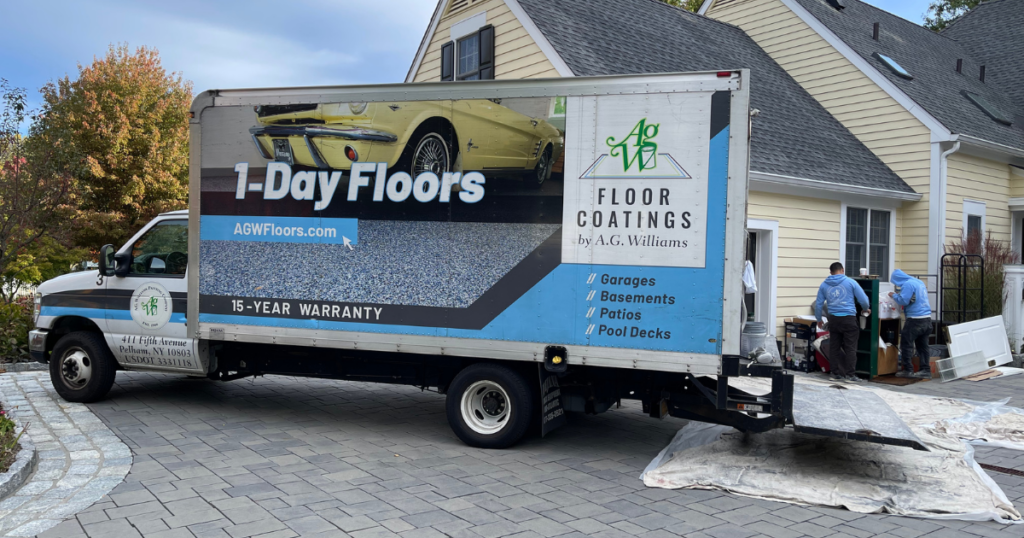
877 120
1016 183
980 180
516 55
808 243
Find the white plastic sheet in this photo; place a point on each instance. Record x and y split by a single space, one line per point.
783 465
749 282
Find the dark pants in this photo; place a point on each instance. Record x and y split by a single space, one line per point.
915 334
843 334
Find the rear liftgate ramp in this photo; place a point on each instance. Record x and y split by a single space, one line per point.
827 410
835 411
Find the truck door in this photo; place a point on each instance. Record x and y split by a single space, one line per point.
146 321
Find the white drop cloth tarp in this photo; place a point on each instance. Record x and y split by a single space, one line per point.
784 465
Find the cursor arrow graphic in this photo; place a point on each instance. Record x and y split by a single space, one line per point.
348 242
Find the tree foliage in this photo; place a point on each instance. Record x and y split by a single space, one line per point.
36 200
121 131
688 5
942 13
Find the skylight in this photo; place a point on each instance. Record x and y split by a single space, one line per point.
893 66
987 107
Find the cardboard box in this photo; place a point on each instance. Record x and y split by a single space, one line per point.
931 365
888 360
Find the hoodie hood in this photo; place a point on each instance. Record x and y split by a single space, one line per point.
835 280
899 278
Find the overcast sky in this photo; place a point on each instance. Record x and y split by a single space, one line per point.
233 43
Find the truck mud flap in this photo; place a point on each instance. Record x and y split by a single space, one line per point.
835 411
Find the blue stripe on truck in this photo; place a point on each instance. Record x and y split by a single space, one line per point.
98 313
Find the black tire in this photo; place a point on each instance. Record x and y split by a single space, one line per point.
75 351
494 385
430 131
542 171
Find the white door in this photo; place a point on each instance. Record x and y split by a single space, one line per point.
146 320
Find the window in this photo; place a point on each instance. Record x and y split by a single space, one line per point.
974 226
893 66
868 233
469 58
987 107
163 250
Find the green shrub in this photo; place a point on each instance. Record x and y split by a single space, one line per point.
15 323
9 446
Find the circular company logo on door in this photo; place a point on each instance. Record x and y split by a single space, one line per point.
151 306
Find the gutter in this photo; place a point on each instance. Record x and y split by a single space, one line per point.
991 146
765 179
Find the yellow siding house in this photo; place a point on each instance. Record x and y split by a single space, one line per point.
817 190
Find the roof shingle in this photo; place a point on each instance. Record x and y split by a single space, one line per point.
993 33
931 59
792 136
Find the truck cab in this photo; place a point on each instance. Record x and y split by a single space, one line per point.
128 314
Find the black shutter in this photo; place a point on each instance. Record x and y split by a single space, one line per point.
448 61
487 53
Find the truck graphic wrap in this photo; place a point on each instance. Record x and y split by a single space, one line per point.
580 220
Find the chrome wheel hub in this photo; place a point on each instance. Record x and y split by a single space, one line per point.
431 155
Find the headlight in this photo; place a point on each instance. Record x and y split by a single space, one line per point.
357 108
37 306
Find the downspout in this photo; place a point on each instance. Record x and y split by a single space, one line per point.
940 239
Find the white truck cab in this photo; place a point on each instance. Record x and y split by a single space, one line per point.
128 314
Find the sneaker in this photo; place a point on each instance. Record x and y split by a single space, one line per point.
904 373
836 378
853 379
923 374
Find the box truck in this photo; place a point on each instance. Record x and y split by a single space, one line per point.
526 248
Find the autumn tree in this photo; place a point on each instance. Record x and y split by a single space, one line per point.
36 202
121 130
688 5
942 13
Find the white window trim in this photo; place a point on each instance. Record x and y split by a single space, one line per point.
854 272
973 208
771 229
468 25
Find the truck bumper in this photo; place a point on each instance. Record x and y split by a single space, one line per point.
37 344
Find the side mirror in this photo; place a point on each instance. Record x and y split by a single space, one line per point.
106 260
156 265
123 261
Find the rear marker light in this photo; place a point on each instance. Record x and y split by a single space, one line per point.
351 153
722 74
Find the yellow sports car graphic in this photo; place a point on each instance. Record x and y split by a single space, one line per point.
510 139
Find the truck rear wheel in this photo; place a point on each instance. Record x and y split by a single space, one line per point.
82 369
489 406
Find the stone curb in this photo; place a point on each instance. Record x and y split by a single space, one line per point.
22 468
23 367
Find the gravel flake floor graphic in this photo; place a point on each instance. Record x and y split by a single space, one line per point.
440 264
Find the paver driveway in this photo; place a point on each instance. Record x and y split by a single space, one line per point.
281 457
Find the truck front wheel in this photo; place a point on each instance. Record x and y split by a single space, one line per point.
489 406
82 369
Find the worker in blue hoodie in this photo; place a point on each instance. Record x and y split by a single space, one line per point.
913 297
839 292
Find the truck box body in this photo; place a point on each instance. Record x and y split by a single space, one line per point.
526 247
630 257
